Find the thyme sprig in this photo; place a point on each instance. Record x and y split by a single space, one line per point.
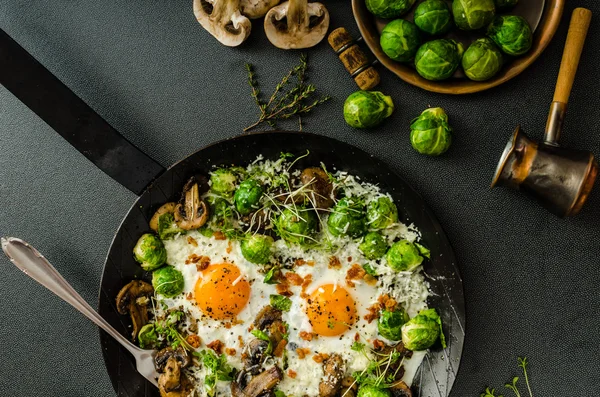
285 103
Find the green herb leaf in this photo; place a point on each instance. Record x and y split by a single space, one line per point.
263 336
269 277
280 302
370 270
358 347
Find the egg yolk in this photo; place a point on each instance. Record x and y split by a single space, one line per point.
221 293
331 310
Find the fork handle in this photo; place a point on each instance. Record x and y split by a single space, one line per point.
33 264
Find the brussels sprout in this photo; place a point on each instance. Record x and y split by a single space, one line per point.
374 246
433 17
505 4
247 196
147 337
150 252
222 182
403 256
482 60
381 213
400 40
257 248
421 331
367 109
438 59
167 281
296 225
430 133
221 210
167 228
512 33
473 14
348 218
367 390
390 324
389 8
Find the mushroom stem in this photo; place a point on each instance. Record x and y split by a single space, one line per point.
298 15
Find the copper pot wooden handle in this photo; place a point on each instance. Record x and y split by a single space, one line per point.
580 22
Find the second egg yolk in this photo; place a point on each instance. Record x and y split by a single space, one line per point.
331 310
221 293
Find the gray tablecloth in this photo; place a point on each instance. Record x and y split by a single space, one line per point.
531 280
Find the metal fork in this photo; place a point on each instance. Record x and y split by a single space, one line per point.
33 264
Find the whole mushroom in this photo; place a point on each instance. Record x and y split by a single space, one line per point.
254 9
296 24
224 20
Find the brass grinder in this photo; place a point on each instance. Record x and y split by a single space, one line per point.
559 179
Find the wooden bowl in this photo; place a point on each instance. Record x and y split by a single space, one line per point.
370 28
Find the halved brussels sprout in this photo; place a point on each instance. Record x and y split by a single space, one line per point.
381 213
482 60
222 182
423 330
348 218
373 246
167 227
390 324
433 17
512 33
296 225
473 14
247 196
505 4
403 256
438 59
147 337
367 390
389 8
367 109
257 248
400 40
430 133
167 281
150 252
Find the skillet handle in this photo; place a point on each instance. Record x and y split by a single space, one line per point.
73 119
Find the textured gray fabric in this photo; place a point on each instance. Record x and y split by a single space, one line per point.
531 280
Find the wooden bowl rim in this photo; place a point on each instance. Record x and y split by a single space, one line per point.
544 33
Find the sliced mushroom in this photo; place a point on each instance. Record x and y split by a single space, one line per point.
349 387
163 356
133 299
223 19
296 24
254 356
334 370
173 383
164 209
192 211
401 389
260 384
266 317
320 187
254 9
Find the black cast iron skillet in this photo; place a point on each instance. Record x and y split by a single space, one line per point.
43 93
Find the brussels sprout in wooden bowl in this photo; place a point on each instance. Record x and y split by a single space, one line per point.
510 44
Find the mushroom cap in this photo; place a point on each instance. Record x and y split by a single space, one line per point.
294 33
254 9
223 20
